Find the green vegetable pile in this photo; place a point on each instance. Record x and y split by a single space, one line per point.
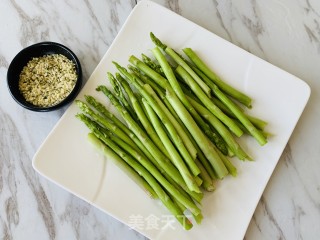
182 122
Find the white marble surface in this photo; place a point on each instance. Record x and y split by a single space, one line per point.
286 33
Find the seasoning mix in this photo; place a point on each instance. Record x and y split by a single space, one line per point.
46 81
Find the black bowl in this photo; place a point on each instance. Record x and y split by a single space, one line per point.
39 50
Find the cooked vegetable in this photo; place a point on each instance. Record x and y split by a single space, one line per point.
179 127
214 77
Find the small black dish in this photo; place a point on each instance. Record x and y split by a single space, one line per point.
39 50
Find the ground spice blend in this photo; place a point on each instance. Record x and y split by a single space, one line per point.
46 81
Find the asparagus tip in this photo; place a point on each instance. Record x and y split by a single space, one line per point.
98 88
157 41
116 64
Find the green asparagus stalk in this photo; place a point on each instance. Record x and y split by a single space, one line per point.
107 124
165 199
203 142
231 168
187 177
258 123
116 143
264 133
239 114
208 103
152 64
207 181
181 95
224 132
107 152
107 114
181 62
119 93
241 97
162 83
162 133
174 118
145 153
141 115
154 101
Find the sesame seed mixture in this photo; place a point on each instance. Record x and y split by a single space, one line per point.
46 81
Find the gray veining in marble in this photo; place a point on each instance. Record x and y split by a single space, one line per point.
285 33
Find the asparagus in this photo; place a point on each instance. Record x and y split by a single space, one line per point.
207 102
110 140
107 114
241 97
211 133
122 165
237 112
145 152
224 132
154 101
258 123
150 179
121 97
168 112
162 83
110 125
152 65
161 132
176 87
187 177
203 142
181 62
141 115
207 181
174 118
232 169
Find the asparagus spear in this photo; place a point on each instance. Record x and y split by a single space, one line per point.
161 132
176 87
181 62
162 83
121 96
207 181
144 152
152 64
154 101
241 97
107 152
114 120
174 118
165 199
141 115
224 132
236 111
207 102
257 122
187 177
110 125
116 144
204 143
232 169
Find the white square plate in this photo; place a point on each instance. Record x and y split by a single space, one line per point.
67 158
